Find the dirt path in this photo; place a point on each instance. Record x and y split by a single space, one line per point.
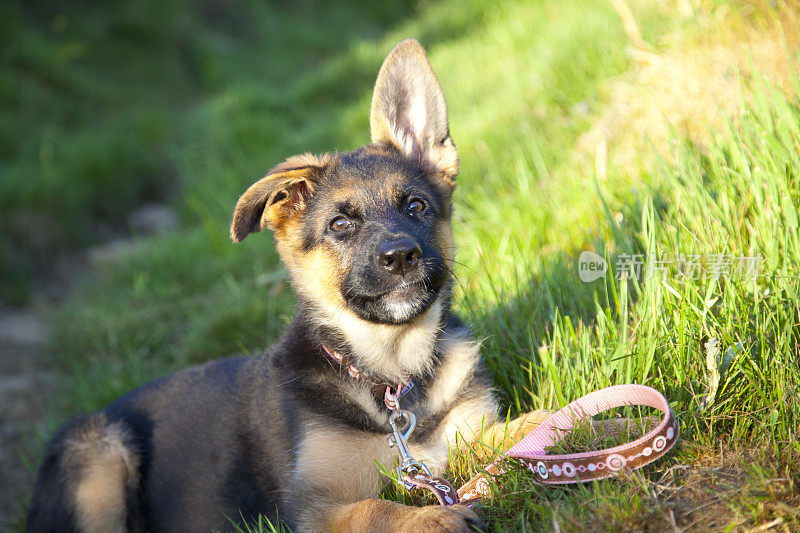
23 378
26 375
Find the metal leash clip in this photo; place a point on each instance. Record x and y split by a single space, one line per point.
407 465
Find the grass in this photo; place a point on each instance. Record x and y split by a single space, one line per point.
733 199
525 82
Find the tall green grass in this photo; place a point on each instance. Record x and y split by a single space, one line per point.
737 197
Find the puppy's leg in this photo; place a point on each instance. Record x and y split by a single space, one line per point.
336 482
383 515
324 508
503 435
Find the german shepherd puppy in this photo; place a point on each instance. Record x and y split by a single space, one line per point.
295 433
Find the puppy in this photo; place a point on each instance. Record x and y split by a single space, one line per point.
295 433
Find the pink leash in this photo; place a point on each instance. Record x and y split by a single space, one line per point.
568 468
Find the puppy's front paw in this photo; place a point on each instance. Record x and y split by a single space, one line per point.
455 519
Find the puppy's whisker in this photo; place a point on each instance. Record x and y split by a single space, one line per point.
464 265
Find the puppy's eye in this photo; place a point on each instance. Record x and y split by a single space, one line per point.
340 223
415 205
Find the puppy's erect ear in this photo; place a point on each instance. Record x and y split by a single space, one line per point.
278 197
409 111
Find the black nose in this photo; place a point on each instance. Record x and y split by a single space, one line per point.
399 256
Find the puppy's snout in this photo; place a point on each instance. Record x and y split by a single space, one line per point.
399 256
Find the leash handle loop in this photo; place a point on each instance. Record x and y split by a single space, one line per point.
586 466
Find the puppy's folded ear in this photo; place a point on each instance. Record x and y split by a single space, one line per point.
278 197
409 111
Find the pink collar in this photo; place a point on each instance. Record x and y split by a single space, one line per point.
391 392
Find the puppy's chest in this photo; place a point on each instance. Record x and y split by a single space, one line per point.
454 399
441 422
328 450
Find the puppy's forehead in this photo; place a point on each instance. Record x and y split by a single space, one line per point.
370 175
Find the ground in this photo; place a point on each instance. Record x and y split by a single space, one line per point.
25 377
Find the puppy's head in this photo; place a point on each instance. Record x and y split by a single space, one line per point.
369 231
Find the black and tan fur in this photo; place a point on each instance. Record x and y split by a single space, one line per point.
288 433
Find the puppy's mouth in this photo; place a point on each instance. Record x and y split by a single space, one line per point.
402 292
398 305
